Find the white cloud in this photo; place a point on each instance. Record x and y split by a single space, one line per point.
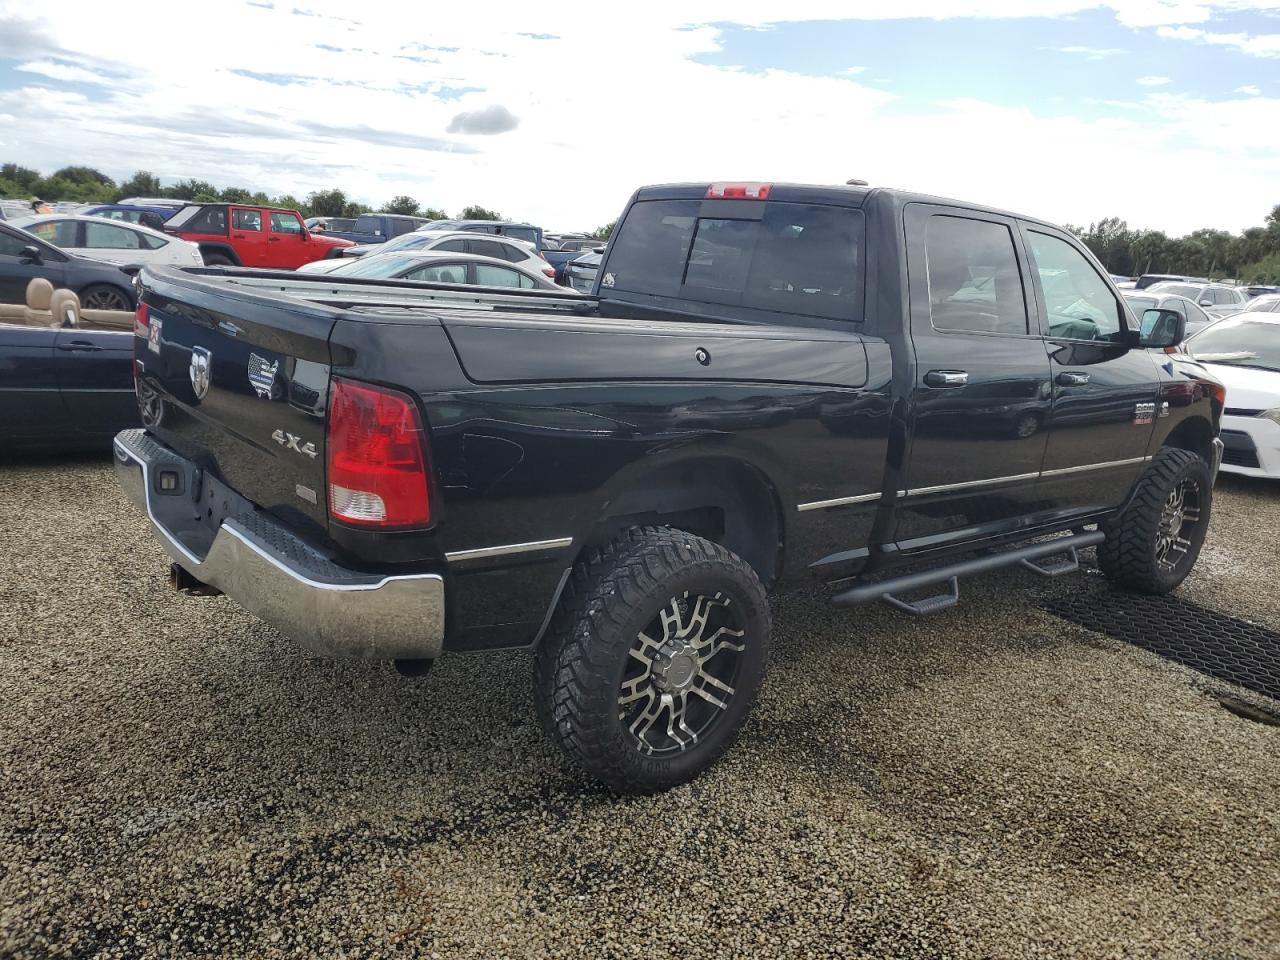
1258 45
1154 81
853 71
1092 53
362 97
62 71
1249 90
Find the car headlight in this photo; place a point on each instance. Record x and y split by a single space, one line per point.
1272 415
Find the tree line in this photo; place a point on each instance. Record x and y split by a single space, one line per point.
1252 256
87 185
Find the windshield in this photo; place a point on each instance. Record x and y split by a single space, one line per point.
406 241
1239 343
1139 304
375 266
791 257
1181 289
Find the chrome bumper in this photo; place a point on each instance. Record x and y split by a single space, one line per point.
256 561
1219 448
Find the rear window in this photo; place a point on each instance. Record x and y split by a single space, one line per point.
368 225
797 258
199 220
527 234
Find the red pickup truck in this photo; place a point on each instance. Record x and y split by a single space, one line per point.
231 234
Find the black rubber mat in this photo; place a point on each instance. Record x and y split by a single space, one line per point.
1205 640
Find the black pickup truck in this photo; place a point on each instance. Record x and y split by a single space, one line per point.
884 390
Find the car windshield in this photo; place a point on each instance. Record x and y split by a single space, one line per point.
183 216
1181 289
1138 304
375 266
406 241
1239 343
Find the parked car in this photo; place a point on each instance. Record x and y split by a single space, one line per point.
500 248
1244 353
153 217
444 267
169 203
1218 299
24 256
64 388
325 224
765 387
1150 299
502 228
1149 279
233 234
378 227
90 236
1259 290
1266 303
580 274
569 249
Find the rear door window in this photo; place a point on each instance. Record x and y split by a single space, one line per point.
790 258
490 248
975 285
250 220
106 236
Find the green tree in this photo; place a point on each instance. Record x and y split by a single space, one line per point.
479 213
434 213
191 189
23 179
327 203
605 232
403 205
141 184
84 175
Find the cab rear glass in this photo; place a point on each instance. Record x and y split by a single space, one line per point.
794 258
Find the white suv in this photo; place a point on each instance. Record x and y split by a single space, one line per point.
518 252
1218 299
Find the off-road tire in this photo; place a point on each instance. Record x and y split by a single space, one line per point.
217 260
613 593
1129 555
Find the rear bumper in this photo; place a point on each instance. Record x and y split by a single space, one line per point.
255 560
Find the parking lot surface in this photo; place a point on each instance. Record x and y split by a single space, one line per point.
179 781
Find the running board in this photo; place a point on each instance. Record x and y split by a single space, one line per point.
888 590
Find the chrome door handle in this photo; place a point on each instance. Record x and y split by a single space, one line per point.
946 378
1072 379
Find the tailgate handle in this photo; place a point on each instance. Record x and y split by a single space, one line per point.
79 346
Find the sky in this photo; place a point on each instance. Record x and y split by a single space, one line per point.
1163 112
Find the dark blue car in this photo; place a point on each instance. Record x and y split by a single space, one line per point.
153 217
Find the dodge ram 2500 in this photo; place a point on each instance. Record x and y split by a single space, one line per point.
885 390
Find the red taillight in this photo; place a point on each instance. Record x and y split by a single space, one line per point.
739 191
141 318
377 457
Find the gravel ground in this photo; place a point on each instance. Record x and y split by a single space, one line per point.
179 781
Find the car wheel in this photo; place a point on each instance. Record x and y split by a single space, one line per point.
217 260
654 658
103 297
1153 544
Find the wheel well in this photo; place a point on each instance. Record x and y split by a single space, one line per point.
220 250
119 288
726 501
1195 434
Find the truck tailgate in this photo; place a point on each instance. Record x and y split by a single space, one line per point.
244 388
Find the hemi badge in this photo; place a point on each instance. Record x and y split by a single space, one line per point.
306 493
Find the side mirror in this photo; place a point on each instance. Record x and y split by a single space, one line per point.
1206 302
1162 329
30 254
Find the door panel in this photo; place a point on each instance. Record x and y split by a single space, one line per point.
1105 392
287 244
31 407
95 374
982 395
248 236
